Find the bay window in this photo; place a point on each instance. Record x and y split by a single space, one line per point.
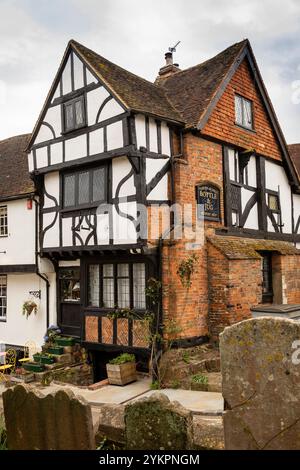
117 285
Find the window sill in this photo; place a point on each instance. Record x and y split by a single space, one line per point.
252 131
3 320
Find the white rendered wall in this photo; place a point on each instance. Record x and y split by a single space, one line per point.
276 177
17 329
19 245
296 201
252 219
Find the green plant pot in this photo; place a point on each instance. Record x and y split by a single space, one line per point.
43 359
65 341
58 350
34 367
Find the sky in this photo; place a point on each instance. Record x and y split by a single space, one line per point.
135 34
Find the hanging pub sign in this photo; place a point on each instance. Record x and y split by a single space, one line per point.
208 200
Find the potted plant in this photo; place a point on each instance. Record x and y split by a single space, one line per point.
55 349
29 306
65 340
122 369
43 358
34 367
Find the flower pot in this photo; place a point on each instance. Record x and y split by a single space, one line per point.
121 374
58 350
34 367
43 359
65 341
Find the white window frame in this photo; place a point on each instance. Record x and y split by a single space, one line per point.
3 222
244 122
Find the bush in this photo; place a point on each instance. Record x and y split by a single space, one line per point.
200 379
122 359
3 445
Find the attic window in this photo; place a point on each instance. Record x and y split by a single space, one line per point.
243 112
74 114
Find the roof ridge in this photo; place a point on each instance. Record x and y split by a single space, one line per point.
188 69
72 41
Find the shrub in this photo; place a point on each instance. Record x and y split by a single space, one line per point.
122 359
200 379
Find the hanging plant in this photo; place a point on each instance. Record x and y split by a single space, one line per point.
186 269
29 306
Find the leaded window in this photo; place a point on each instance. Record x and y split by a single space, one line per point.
117 285
3 221
243 112
84 188
74 114
3 297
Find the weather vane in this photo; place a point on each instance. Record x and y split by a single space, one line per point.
173 49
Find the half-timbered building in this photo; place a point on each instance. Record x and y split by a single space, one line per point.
108 142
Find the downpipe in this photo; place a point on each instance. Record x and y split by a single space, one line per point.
44 278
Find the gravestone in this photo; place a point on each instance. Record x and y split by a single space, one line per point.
260 363
155 423
58 421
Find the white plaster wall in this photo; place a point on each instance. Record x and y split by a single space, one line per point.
56 153
51 182
76 148
19 245
42 157
51 238
153 135
252 219
53 117
296 201
120 168
78 72
153 166
103 229
252 172
165 139
90 78
94 100
43 134
111 109
160 192
67 232
124 230
231 155
96 142
140 129
17 329
276 176
115 136
66 77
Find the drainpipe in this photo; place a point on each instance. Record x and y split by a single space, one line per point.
44 278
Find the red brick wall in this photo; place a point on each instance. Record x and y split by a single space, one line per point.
234 286
286 278
221 124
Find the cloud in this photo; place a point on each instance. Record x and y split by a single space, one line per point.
135 34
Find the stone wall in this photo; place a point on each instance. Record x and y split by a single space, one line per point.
261 384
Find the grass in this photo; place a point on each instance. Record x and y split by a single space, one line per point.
200 379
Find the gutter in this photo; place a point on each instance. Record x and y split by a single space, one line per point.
44 278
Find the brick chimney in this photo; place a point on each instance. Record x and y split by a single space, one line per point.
168 69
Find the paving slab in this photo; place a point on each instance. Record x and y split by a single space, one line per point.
109 394
202 403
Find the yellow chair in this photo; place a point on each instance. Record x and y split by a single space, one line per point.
29 349
10 362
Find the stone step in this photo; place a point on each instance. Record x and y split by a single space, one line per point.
207 382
